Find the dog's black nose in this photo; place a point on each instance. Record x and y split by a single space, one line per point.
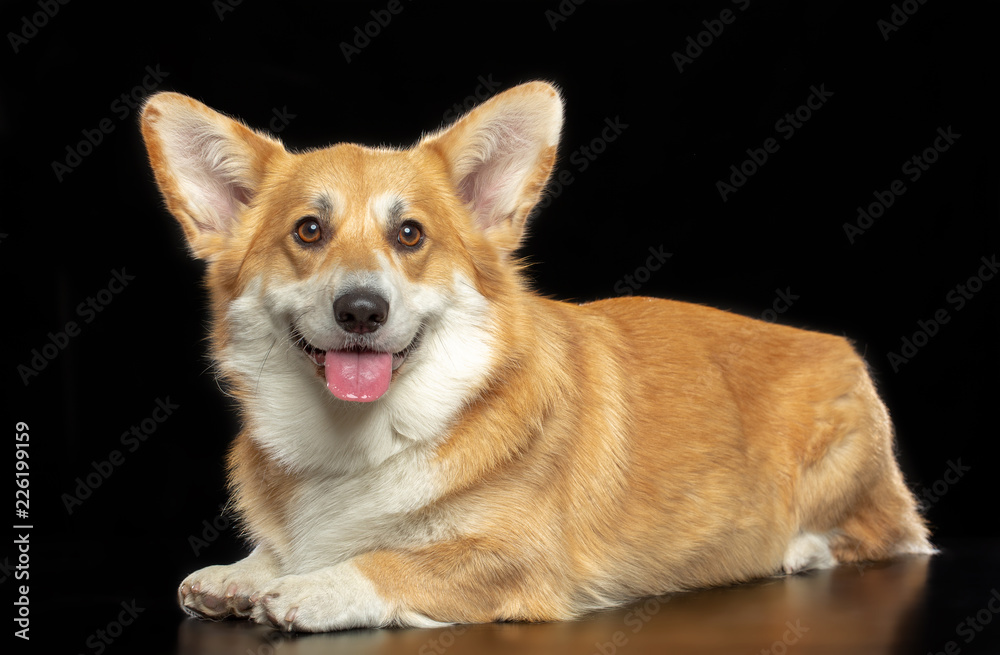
361 311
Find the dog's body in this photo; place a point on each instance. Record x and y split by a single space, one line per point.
426 440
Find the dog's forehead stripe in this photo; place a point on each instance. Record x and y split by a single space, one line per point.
387 208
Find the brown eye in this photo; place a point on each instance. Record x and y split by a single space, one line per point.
410 235
308 230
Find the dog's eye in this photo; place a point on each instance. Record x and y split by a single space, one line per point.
308 230
410 235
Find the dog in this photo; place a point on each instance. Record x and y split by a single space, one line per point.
428 441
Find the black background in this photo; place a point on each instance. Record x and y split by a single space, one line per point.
653 186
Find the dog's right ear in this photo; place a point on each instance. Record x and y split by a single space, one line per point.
500 155
208 166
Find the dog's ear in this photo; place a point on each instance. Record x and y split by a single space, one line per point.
500 156
207 165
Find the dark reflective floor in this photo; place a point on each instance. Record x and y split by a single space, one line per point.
946 604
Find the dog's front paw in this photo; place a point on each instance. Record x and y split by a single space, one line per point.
295 603
216 592
278 606
334 598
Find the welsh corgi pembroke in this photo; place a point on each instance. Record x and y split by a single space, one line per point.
428 441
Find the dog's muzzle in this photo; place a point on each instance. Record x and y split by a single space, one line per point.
358 372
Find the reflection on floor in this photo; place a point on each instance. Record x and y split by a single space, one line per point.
872 608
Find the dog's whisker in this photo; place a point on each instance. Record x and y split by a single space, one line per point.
261 369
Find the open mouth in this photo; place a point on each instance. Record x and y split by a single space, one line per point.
357 373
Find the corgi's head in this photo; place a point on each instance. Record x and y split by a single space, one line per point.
357 269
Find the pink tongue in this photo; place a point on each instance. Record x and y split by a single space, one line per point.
358 375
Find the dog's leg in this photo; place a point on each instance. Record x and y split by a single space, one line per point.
477 580
806 551
216 592
883 523
337 597
854 494
464 581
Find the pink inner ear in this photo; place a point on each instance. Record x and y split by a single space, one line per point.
504 152
481 189
224 198
241 194
210 166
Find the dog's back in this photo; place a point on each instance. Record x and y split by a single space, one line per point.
673 447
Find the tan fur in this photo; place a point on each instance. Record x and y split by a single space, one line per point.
634 495
614 450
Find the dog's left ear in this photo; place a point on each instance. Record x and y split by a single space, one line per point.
207 165
500 156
